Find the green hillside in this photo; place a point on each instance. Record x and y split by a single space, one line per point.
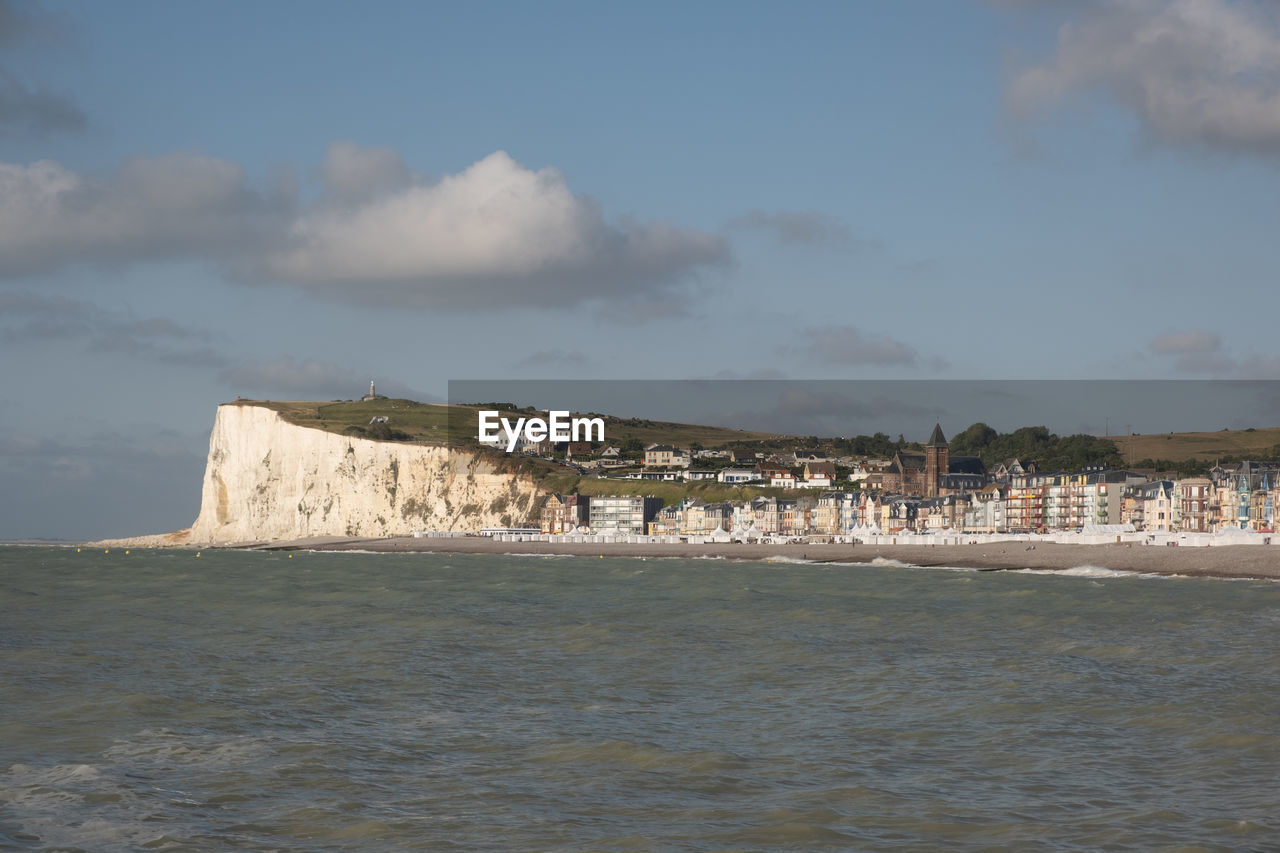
434 423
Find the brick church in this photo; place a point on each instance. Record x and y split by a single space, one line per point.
933 473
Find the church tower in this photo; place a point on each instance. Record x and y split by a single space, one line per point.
937 461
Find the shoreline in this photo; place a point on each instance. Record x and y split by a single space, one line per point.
1260 562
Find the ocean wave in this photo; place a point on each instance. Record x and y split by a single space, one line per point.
152 748
1093 572
889 561
530 554
53 803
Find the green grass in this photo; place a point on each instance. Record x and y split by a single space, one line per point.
433 423
427 423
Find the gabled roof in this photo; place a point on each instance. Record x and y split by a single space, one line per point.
966 482
814 469
909 460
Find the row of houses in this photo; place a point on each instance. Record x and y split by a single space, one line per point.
1244 497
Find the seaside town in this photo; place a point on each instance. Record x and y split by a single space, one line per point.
913 498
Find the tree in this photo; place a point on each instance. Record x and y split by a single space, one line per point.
972 441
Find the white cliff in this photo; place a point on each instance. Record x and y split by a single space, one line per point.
267 479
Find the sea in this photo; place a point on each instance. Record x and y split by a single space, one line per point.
299 701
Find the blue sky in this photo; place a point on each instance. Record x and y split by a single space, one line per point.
284 200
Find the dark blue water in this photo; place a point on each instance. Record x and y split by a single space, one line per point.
364 702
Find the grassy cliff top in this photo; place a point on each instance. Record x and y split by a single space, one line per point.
429 423
436 423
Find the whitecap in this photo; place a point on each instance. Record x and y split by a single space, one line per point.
889 561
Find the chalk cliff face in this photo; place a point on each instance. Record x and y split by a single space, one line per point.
269 479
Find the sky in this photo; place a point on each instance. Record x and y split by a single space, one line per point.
200 201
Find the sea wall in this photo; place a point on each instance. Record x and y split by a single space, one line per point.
267 479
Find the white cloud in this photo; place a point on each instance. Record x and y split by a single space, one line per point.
494 234
1199 72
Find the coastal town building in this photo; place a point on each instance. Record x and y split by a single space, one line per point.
1025 504
783 479
624 514
665 456
1193 497
1002 471
819 474
985 512
774 468
666 522
1157 508
564 513
737 476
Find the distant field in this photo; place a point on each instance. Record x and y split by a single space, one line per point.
1198 445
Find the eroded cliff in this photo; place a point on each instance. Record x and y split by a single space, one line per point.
267 479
